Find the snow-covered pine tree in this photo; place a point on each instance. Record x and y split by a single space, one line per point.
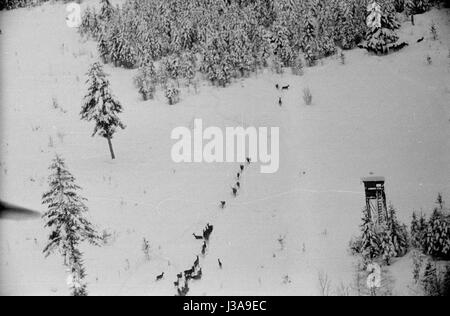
89 24
440 202
281 47
417 6
188 64
397 232
66 211
128 56
309 41
415 232
103 47
65 217
146 80
370 246
387 247
430 281
381 37
106 11
438 235
101 107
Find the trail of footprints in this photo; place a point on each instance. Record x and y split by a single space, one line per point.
195 273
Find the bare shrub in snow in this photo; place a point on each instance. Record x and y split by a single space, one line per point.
307 96
146 249
434 32
324 284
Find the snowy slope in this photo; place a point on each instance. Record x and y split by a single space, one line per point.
386 115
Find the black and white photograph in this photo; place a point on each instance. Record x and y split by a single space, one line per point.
208 149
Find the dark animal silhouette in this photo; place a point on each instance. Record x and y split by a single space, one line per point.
198 276
220 263
242 168
286 87
249 160
420 39
280 102
180 275
189 272
160 277
204 247
223 204
208 231
177 283
238 176
238 184
184 290
235 191
197 262
197 237
277 86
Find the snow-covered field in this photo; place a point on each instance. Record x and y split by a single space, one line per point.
383 115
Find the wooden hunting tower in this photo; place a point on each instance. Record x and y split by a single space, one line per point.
376 199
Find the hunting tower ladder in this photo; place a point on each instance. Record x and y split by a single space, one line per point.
376 199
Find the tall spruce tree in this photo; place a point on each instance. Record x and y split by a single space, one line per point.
309 41
65 217
106 11
397 232
370 246
101 107
415 231
438 236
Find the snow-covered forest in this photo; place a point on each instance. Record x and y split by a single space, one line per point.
93 204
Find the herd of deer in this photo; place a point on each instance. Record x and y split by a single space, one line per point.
195 273
283 88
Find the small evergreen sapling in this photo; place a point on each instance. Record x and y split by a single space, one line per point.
101 107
